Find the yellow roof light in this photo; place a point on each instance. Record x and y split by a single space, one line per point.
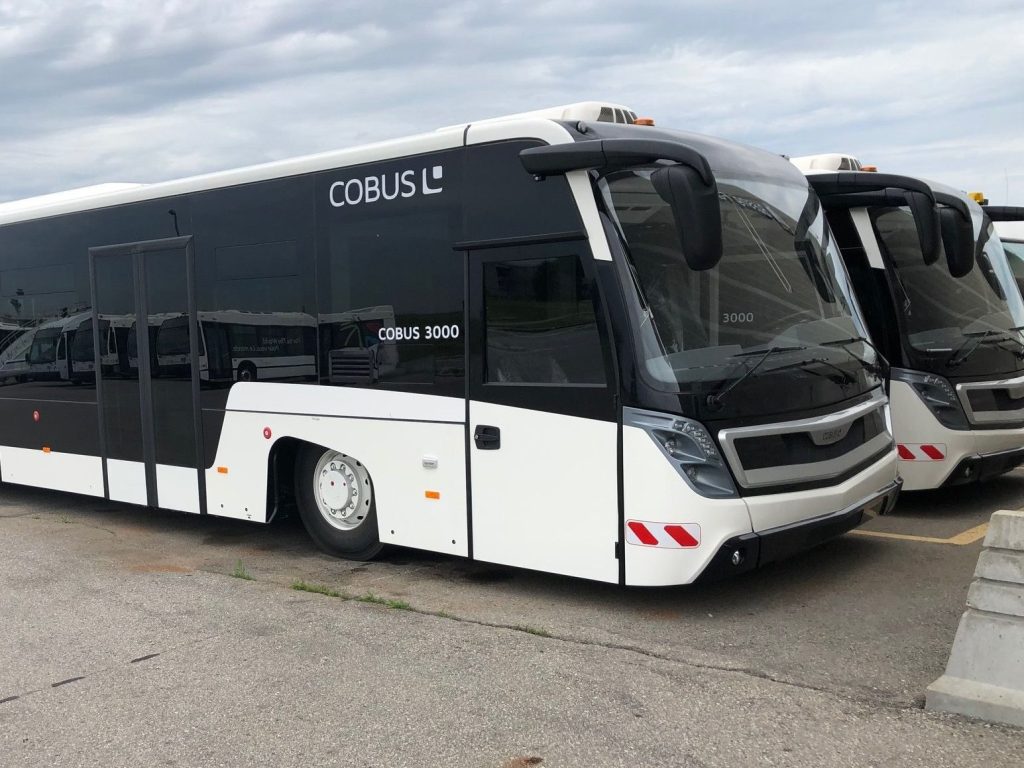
644 121
869 168
978 197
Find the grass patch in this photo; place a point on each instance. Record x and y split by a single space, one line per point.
531 630
241 573
398 605
317 589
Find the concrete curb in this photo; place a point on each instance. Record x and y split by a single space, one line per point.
985 674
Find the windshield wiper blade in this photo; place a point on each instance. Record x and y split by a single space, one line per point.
879 370
715 399
976 339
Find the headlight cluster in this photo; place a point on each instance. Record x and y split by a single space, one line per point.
936 393
689 448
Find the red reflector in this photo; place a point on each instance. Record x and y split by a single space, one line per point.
681 535
35 415
932 452
641 532
905 453
267 433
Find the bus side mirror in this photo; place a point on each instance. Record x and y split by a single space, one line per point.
957 240
926 219
697 212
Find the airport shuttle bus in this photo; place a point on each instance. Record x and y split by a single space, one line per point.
942 306
577 345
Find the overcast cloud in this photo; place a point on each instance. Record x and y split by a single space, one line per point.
147 91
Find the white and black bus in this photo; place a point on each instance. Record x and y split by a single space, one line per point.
606 350
942 305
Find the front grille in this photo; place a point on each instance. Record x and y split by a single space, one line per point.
807 450
993 402
800 447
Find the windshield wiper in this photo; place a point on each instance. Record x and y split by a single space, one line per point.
976 339
879 370
715 399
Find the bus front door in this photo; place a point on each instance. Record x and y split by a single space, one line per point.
149 419
543 432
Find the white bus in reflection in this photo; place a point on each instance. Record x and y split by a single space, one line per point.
355 351
239 346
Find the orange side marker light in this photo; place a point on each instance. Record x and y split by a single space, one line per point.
433 494
222 470
46 449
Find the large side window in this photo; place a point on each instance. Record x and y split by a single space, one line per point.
391 307
539 323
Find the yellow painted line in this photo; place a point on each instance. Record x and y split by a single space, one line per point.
961 539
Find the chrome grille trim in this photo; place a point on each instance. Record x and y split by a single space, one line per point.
1015 386
811 471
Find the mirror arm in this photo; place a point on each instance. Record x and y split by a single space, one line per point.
604 154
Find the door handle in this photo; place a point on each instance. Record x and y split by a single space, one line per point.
487 438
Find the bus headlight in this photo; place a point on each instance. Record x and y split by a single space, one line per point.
690 449
937 394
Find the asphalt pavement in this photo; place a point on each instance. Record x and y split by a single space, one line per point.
135 637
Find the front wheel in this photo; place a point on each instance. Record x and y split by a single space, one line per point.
335 500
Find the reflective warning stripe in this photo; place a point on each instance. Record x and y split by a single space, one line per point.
921 451
664 535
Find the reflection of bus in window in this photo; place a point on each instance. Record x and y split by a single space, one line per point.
354 351
77 359
47 355
15 341
240 346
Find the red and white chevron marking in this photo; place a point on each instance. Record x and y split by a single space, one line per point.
921 451
664 535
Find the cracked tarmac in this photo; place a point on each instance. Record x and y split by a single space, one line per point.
125 641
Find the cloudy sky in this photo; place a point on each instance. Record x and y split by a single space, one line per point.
146 91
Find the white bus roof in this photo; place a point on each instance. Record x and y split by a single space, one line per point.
1009 230
67 196
828 161
527 124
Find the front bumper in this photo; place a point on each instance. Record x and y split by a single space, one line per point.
753 550
976 469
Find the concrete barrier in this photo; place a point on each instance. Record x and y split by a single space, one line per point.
985 674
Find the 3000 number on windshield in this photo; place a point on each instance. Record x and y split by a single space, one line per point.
737 317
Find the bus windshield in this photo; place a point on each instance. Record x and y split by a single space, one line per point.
1015 255
44 346
967 325
780 290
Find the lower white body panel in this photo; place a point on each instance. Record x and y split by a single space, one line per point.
392 451
58 471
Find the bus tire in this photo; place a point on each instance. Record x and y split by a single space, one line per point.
246 371
334 494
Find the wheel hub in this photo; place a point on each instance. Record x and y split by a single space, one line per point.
342 490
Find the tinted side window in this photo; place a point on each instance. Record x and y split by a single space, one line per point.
391 307
504 201
255 269
539 323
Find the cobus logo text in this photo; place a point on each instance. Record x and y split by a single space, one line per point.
387 186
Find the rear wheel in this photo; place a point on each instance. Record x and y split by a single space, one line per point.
335 499
246 371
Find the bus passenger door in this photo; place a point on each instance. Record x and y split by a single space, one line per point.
149 424
543 433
